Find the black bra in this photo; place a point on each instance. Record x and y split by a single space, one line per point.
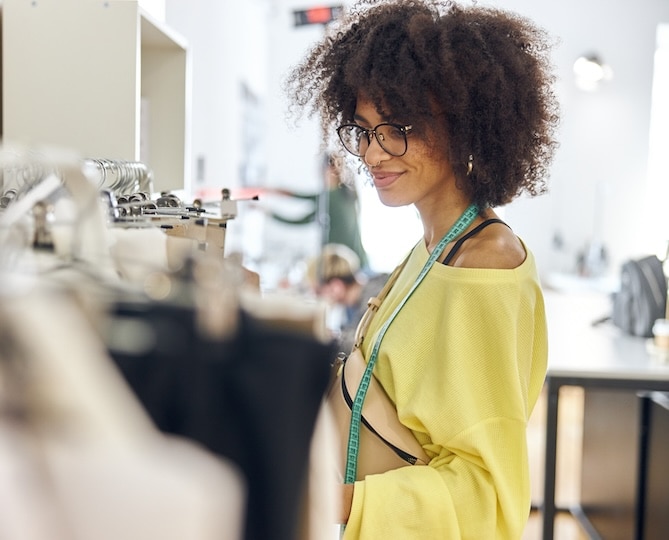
471 233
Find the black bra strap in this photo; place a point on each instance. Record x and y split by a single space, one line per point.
471 233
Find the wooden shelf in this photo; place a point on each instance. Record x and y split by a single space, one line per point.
100 78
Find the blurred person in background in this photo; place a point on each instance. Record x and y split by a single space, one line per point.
336 209
335 275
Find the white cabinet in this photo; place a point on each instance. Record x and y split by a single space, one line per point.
101 78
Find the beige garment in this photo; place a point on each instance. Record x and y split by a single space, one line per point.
85 462
321 508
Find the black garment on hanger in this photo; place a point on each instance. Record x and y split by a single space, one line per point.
253 399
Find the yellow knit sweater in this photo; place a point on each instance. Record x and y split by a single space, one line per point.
464 361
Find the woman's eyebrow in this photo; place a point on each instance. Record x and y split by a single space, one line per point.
362 120
359 119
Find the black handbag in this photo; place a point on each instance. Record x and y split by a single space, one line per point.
642 297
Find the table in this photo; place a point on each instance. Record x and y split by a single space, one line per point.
589 356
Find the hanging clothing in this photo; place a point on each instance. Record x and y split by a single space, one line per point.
252 399
79 458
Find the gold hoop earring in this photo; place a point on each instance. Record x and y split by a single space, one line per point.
470 164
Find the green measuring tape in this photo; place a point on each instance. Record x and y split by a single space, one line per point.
464 221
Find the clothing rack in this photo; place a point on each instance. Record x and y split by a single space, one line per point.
205 226
183 351
34 185
120 176
20 169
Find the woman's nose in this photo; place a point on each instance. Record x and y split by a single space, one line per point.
375 152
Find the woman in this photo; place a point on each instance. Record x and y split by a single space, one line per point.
450 109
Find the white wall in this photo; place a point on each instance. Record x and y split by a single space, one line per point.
599 178
604 135
221 57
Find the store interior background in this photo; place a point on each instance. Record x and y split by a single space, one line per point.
609 184
607 188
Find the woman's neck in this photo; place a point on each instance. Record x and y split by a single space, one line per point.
438 222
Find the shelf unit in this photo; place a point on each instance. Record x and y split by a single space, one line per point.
101 78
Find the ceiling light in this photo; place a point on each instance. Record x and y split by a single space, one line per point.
590 71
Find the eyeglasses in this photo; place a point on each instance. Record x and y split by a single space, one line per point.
391 137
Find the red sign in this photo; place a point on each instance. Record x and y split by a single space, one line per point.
316 15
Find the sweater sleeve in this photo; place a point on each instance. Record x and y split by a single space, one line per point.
465 381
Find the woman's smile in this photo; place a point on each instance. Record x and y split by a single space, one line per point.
384 179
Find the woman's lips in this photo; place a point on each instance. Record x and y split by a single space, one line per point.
384 179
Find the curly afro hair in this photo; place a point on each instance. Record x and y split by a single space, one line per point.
483 72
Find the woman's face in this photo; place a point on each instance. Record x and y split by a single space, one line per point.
422 176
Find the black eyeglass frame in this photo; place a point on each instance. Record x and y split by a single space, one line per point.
404 130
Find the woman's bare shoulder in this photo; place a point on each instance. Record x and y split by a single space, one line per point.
496 246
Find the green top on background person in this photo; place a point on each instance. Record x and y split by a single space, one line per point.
336 209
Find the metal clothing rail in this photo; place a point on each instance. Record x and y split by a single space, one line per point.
119 176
